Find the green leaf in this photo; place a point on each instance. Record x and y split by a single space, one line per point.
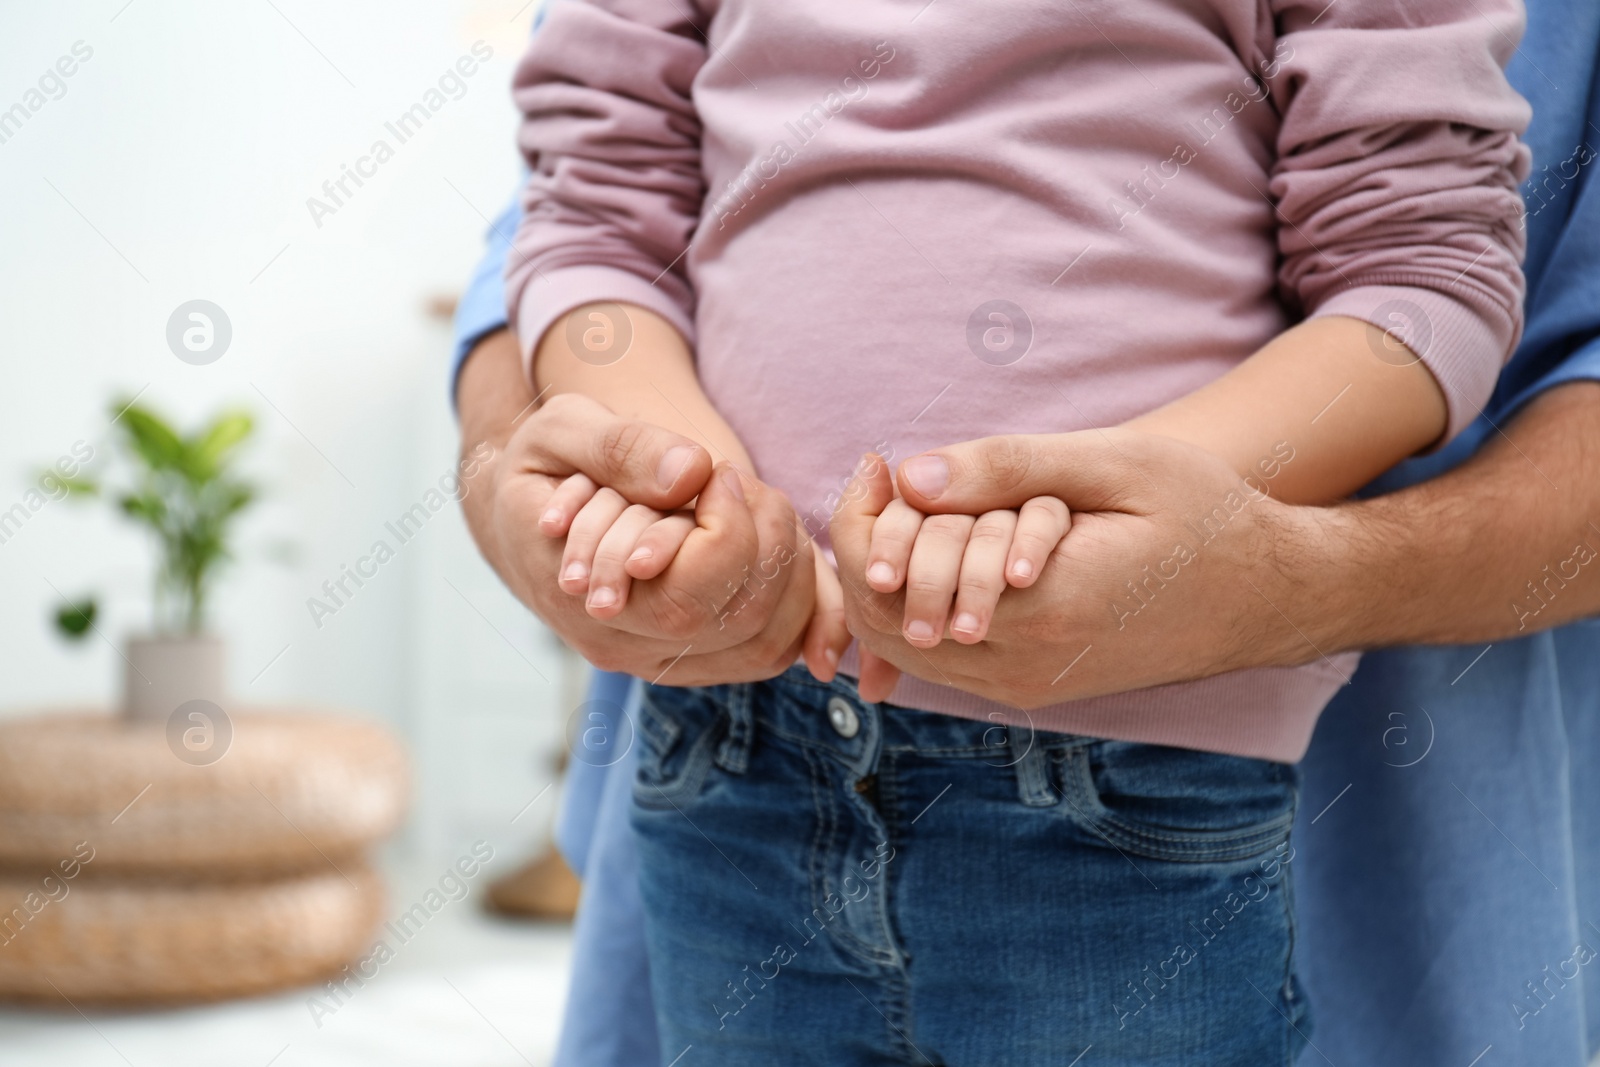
50 477
234 497
154 441
183 492
146 507
211 446
74 620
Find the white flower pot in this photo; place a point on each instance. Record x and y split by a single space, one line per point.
164 672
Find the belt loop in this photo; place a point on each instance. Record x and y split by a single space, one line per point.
1033 773
733 755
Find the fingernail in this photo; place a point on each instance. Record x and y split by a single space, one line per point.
551 518
640 554
919 630
966 623
928 475
831 656
880 574
673 464
735 484
575 572
1022 568
602 597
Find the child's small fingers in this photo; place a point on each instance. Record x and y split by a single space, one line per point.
659 545
565 503
583 537
931 576
878 678
609 582
1041 524
893 534
983 575
827 635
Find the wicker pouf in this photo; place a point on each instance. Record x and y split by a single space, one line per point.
292 791
114 941
131 874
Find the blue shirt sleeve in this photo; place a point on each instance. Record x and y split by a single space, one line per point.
1583 365
1561 341
482 309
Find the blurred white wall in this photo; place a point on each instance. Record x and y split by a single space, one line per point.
175 163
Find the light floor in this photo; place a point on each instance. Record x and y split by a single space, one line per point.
468 990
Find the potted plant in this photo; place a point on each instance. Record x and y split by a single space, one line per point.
184 490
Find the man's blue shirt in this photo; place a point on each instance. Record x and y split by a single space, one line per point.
1448 878
482 308
1555 69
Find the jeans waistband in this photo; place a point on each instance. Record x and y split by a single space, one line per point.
831 718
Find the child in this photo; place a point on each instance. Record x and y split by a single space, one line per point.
833 209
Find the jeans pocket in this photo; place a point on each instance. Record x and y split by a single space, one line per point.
679 729
1176 804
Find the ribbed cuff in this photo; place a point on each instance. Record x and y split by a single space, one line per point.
1464 350
553 293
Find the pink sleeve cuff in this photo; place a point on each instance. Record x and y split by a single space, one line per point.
1462 348
553 293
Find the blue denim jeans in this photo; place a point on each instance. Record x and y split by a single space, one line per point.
833 882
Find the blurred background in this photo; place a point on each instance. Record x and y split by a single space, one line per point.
184 158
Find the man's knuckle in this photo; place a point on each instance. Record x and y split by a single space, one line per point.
1010 463
677 615
768 647
622 444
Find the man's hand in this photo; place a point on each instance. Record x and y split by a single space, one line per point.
735 603
1172 570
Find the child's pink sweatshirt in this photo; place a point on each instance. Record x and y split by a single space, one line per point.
895 224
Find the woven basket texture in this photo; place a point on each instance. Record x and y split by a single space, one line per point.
292 792
109 942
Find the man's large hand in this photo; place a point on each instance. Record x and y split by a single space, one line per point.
734 604
1170 571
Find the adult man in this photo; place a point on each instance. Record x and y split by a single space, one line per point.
1444 890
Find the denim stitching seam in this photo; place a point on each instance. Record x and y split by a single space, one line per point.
1174 847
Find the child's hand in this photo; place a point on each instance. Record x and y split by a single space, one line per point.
610 542
961 557
827 637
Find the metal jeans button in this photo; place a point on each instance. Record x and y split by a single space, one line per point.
846 723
